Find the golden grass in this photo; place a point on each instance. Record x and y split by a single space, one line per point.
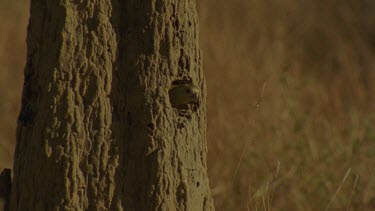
309 143
316 117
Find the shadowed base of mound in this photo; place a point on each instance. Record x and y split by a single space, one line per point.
2 204
5 188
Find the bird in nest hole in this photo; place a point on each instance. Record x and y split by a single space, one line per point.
184 94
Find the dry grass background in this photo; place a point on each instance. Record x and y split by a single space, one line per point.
309 144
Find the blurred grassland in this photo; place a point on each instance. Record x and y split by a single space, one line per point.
309 144
13 26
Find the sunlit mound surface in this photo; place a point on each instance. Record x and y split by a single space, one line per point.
308 144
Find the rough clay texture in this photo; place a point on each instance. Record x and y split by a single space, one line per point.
63 158
96 130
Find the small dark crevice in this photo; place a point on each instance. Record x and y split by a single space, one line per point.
184 80
182 195
184 112
183 61
151 126
176 24
180 125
